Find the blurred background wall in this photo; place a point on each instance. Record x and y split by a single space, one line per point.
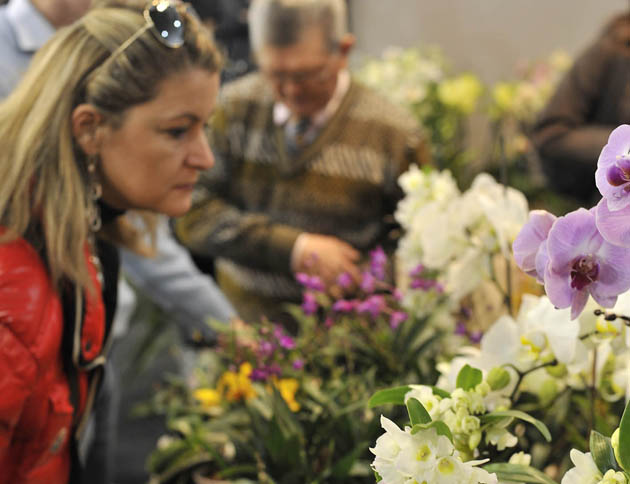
487 37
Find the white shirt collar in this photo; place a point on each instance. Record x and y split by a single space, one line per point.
31 28
281 113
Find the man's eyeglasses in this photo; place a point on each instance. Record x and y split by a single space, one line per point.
305 76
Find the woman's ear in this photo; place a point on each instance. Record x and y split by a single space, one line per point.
86 120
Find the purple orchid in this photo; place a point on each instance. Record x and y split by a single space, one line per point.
259 374
368 282
373 305
266 349
314 283
344 306
378 261
309 304
530 240
613 181
613 169
344 280
397 318
580 262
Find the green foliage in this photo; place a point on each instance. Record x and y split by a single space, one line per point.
468 378
518 473
624 440
521 416
602 452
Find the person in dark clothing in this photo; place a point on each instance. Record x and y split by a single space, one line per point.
591 100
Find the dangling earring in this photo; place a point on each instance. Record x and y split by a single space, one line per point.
95 190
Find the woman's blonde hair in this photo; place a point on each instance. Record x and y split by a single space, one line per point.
43 171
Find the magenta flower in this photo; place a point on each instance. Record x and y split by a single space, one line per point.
309 304
368 282
613 169
397 318
373 305
287 342
298 364
344 306
344 280
530 240
314 283
378 261
580 262
259 374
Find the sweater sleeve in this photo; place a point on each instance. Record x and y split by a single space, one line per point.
217 227
567 139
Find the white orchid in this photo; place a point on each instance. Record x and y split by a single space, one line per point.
425 456
585 470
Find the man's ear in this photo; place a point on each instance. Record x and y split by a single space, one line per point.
86 121
346 43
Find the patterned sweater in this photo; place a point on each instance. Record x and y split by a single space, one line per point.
251 206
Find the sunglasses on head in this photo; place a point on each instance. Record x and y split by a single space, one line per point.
164 21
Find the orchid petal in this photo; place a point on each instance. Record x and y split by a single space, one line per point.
532 235
542 261
578 303
558 287
571 236
613 225
618 144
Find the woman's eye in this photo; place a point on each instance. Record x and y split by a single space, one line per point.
176 132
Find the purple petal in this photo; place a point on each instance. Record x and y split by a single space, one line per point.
397 318
613 278
558 287
542 261
368 282
344 280
614 226
570 237
532 235
579 301
618 145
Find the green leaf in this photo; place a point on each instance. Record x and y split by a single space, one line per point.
441 427
440 393
602 452
519 473
542 428
468 377
624 440
343 466
394 395
417 413
377 477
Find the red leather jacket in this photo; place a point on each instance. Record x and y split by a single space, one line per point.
36 411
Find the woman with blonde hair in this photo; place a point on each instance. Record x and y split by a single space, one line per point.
109 117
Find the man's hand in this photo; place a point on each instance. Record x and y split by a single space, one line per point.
327 257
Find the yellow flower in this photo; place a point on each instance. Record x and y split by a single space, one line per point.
461 92
288 388
237 386
208 397
504 96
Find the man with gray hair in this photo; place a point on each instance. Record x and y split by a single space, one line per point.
307 162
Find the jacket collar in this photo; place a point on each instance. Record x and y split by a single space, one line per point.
31 28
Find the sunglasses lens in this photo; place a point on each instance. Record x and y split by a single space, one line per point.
168 23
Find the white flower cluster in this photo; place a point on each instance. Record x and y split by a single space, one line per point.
456 234
542 334
411 71
461 412
586 471
403 457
